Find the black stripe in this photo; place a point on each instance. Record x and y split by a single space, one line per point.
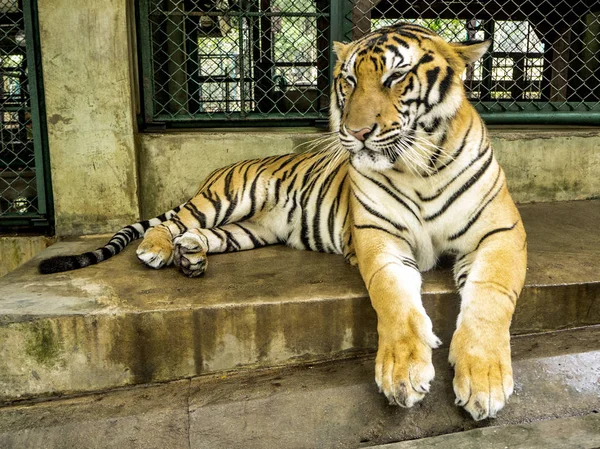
466 186
277 189
495 231
323 191
216 204
409 35
115 246
216 234
377 214
135 233
232 243
392 194
445 84
182 228
387 231
252 194
199 216
409 262
400 41
400 192
442 189
432 76
456 154
232 204
475 217
106 253
424 60
251 236
90 258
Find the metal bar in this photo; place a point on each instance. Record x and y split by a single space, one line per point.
255 123
488 60
517 106
241 14
237 116
336 30
192 65
38 112
147 61
591 118
242 62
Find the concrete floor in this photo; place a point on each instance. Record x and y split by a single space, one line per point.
329 405
567 433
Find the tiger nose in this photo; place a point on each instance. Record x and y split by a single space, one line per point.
361 134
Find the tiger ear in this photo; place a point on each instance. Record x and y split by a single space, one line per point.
340 49
471 51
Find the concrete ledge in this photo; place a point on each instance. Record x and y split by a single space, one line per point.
16 250
329 405
119 323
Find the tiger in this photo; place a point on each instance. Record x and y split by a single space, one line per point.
412 177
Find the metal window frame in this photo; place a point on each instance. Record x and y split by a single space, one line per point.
493 112
149 120
43 220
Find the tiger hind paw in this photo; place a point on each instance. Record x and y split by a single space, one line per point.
190 253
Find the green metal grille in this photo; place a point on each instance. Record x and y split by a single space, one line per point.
210 61
234 60
543 65
23 200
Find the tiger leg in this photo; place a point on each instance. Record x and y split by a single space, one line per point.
157 248
192 247
490 280
403 366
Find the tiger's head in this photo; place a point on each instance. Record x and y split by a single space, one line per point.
396 86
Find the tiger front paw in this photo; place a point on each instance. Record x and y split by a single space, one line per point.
483 379
403 367
190 253
156 250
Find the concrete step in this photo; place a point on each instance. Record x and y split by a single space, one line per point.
327 405
120 323
580 432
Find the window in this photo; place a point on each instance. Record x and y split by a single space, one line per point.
229 60
209 62
23 173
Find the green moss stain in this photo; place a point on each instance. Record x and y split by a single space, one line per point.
44 345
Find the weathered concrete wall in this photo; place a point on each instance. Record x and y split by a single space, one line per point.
85 57
16 250
549 165
543 165
172 165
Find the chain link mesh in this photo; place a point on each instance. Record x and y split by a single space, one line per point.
236 59
243 59
544 55
18 195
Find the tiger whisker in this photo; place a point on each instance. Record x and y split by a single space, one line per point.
431 145
409 159
316 142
